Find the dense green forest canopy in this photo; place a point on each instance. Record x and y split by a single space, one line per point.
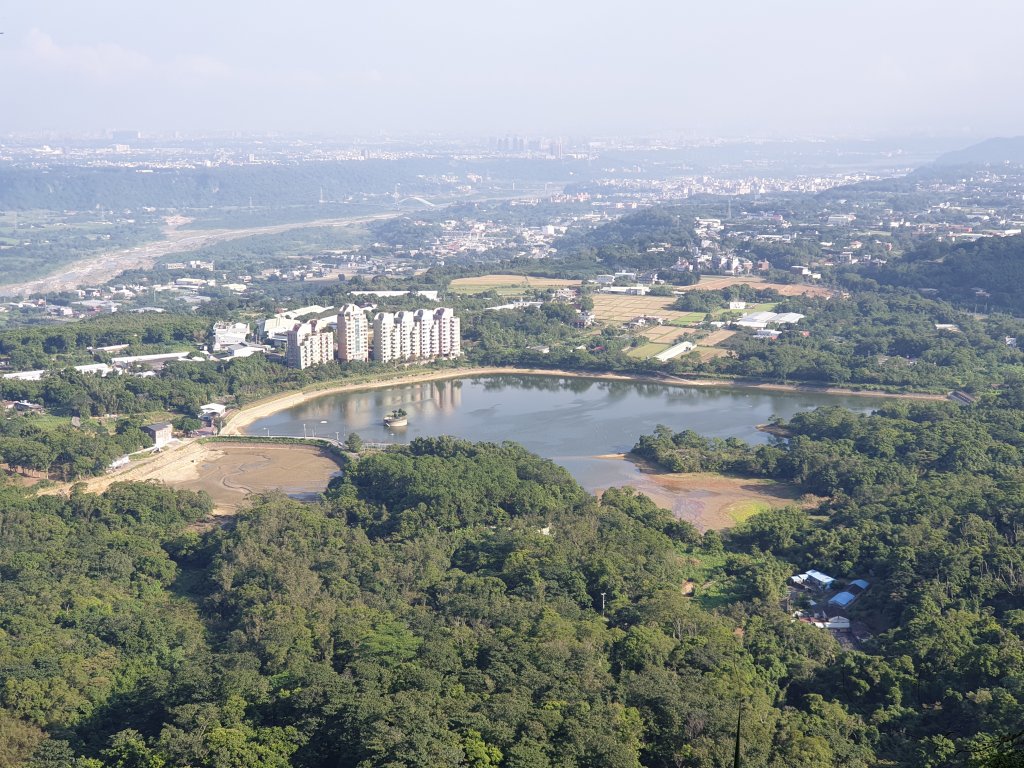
880 338
458 604
986 274
924 501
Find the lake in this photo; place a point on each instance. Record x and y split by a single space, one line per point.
573 421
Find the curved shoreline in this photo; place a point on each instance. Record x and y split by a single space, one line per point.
248 414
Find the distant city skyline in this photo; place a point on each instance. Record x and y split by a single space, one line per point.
797 68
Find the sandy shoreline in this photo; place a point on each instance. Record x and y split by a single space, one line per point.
239 420
230 471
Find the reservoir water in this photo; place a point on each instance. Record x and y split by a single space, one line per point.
573 421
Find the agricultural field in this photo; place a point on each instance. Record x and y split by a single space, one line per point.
717 283
616 310
507 285
687 319
709 353
715 338
647 350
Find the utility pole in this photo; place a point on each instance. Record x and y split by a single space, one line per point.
739 722
602 602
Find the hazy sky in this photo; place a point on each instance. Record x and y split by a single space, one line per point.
746 67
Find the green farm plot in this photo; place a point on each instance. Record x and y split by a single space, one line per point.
741 511
647 350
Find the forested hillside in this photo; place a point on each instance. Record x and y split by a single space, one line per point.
881 338
986 274
622 244
70 187
457 604
996 151
925 502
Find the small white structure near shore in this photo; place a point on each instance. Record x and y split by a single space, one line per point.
674 351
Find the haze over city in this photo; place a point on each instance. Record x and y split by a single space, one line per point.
780 69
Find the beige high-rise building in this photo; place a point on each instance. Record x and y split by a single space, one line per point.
309 344
421 335
449 333
353 335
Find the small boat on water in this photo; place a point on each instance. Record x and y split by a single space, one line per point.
397 418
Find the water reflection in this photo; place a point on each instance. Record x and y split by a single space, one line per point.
569 420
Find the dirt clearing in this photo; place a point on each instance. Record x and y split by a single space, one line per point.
231 471
712 501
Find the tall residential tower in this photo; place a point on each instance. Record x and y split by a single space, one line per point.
353 335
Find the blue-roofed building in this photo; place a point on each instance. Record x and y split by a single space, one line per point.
842 599
859 583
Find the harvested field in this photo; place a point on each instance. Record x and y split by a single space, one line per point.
710 353
717 283
712 501
507 284
715 338
666 334
616 310
688 318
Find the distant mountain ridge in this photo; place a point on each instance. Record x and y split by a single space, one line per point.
991 151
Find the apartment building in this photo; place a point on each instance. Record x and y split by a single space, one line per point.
309 344
421 335
353 334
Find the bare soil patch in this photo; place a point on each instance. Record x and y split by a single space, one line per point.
486 282
231 471
712 501
786 289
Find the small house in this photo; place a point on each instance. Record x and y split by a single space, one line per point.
161 433
812 578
